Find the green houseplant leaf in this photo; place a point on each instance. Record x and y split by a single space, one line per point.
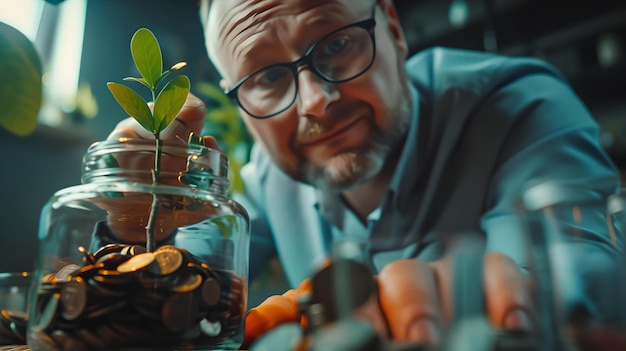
148 59
20 82
170 101
138 80
176 67
146 53
133 104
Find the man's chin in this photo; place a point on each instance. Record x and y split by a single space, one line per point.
344 171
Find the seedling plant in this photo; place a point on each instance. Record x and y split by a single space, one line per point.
168 102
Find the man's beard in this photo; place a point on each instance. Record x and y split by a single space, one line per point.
346 169
355 166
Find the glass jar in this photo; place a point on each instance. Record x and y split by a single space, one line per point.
136 260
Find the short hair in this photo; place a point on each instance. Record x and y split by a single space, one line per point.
203 11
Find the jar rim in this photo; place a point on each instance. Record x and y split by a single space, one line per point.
214 159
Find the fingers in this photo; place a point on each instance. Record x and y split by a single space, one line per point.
415 297
372 313
413 301
190 119
507 297
129 128
211 142
409 298
508 300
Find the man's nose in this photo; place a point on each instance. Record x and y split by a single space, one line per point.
315 94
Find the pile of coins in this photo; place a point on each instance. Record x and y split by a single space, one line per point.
13 327
123 296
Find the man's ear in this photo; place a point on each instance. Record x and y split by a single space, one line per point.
393 24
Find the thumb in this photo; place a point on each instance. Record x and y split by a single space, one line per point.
210 142
190 119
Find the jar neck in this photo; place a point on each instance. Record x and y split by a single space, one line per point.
134 160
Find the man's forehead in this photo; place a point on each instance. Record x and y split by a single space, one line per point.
236 23
255 6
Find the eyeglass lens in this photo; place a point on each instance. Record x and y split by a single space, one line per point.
339 57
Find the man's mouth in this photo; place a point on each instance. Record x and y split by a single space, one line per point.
328 135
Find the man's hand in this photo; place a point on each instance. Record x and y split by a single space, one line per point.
416 297
414 301
190 119
126 219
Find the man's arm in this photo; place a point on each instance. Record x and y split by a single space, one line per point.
553 169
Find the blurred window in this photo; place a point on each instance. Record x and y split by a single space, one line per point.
24 15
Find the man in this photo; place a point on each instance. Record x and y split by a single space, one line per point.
352 142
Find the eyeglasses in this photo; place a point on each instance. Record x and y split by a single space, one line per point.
338 57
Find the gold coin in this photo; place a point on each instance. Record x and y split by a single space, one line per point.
191 283
136 263
169 259
73 298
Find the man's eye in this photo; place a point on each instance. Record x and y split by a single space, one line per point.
335 46
272 76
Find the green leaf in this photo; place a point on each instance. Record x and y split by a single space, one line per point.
138 80
20 82
133 104
170 101
161 77
176 67
146 53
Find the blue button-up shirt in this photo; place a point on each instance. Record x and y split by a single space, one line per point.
484 128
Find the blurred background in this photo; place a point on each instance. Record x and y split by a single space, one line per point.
83 44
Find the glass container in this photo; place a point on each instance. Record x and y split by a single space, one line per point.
133 259
14 290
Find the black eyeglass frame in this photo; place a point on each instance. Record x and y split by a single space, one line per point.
369 25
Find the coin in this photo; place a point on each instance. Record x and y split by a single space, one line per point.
211 291
89 258
113 259
169 259
104 308
108 249
73 298
64 273
136 263
125 298
47 315
40 340
210 328
19 331
192 282
179 311
134 250
67 342
19 317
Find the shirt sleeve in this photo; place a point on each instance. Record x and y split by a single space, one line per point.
262 247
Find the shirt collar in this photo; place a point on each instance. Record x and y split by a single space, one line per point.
330 205
408 164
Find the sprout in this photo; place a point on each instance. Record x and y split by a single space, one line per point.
168 102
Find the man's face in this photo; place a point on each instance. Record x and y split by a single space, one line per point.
334 136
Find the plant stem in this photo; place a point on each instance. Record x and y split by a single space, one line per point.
156 200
